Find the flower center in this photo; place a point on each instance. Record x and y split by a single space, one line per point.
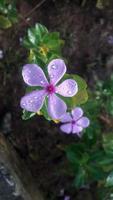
50 89
73 122
43 50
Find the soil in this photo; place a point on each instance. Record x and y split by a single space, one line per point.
86 31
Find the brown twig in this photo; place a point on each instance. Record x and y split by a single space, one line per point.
25 19
37 6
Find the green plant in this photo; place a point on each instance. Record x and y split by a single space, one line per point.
91 158
8 13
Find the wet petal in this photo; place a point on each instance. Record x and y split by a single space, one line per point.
33 75
76 129
56 106
66 118
67 88
33 101
56 70
77 113
67 128
83 122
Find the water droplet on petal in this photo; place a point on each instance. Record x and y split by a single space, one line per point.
51 76
53 67
69 92
42 82
35 97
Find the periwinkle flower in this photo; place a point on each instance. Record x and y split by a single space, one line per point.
75 122
110 39
33 75
67 198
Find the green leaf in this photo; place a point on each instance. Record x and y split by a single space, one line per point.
44 110
108 143
81 96
75 153
31 36
35 36
27 115
109 180
5 22
80 178
53 41
95 173
41 30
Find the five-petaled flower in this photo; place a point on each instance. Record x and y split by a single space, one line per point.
75 122
33 75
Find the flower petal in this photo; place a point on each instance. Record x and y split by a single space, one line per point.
83 122
56 107
66 118
67 88
56 70
67 128
77 113
33 75
76 129
33 101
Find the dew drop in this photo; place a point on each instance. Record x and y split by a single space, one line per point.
69 92
51 76
35 97
42 82
53 67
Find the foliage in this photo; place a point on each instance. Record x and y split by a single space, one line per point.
91 159
8 13
104 91
43 46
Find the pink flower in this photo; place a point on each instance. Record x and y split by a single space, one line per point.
33 75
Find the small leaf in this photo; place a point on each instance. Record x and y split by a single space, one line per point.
75 153
40 30
5 22
80 178
44 110
96 173
108 143
31 36
109 180
53 41
27 115
35 36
